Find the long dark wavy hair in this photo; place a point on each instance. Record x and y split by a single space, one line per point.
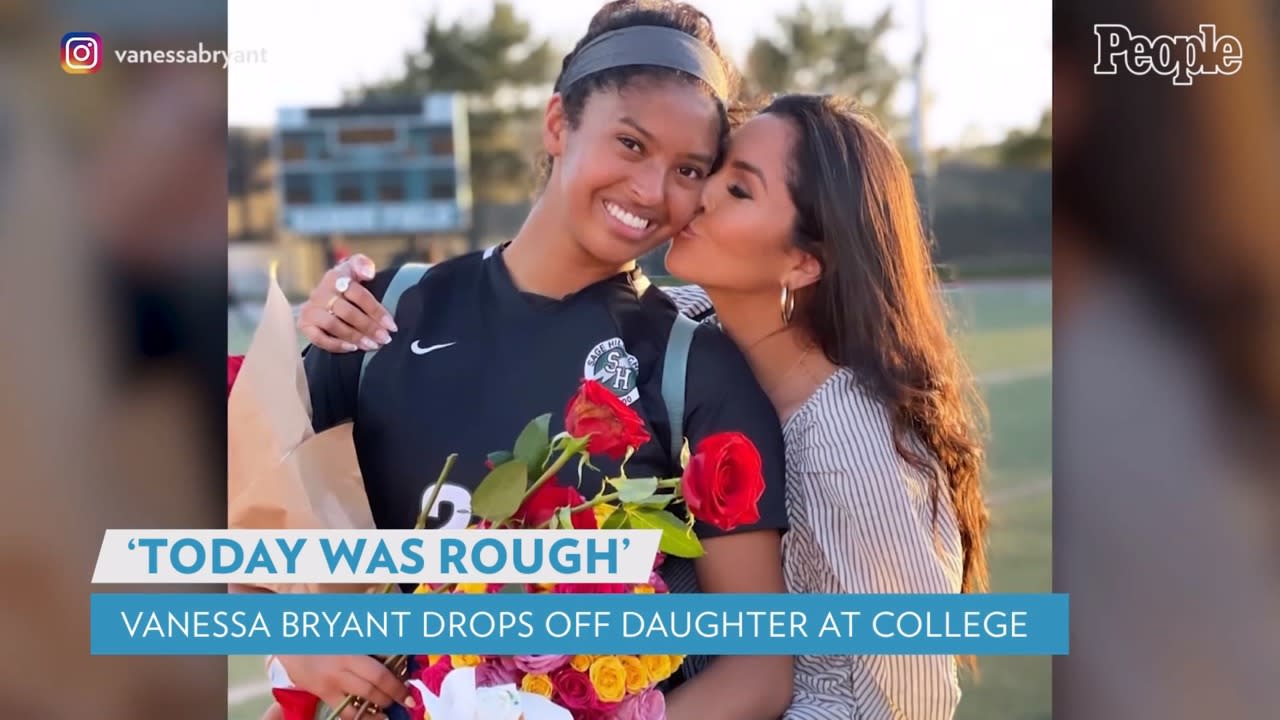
876 307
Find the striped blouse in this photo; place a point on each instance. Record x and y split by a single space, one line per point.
860 522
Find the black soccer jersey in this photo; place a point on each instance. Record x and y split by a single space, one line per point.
476 359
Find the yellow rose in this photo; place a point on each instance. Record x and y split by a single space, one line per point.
581 663
473 588
603 511
433 659
657 667
463 661
637 674
422 589
609 678
643 590
537 684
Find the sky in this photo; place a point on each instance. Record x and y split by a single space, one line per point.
988 63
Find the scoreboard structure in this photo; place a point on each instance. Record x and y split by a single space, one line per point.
382 169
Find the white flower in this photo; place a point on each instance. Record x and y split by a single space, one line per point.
460 699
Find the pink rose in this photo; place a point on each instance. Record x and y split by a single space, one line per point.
648 705
659 585
540 664
417 712
591 588
506 661
495 673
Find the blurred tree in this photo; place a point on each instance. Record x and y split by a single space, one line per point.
1021 148
818 50
496 63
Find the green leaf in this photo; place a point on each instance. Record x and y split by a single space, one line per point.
500 457
500 493
564 518
512 589
657 501
533 444
676 540
635 490
617 520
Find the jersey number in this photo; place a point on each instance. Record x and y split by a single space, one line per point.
452 510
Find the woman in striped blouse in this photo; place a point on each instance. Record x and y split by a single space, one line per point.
808 251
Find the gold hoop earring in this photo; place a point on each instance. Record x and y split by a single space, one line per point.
788 302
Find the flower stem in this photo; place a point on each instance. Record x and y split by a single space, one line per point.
597 500
603 498
550 472
420 524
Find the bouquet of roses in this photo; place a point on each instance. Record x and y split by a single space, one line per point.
721 484
282 475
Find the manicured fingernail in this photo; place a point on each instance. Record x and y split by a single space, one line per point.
348 347
409 702
368 344
389 324
383 337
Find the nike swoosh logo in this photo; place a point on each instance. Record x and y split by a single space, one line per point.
419 350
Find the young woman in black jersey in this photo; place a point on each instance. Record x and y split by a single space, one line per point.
809 248
638 123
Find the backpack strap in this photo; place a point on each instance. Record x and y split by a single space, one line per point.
674 366
405 277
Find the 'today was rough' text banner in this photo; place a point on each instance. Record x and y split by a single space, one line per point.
514 624
376 556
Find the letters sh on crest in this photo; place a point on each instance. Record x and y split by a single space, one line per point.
1184 57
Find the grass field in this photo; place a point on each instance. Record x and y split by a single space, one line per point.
1005 333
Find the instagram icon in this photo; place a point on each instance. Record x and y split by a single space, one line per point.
81 53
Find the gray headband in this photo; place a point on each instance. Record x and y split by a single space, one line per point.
648 45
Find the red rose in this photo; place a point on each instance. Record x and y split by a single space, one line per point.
612 426
574 690
542 505
724 480
233 369
296 704
433 676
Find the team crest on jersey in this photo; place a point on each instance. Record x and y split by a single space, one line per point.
615 368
